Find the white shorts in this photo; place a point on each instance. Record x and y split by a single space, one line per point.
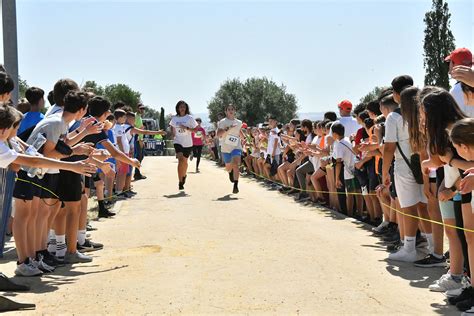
409 192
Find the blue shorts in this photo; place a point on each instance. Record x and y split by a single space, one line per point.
234 153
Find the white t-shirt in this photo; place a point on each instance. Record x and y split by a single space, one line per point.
183 136
350 125
343 151
119 130
7 155
127 129
231 139
458 95
271 141
315 160
396 130
309 139
55 109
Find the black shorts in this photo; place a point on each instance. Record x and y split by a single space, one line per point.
50 183
186 151
25 188
372 176
70 186
393 190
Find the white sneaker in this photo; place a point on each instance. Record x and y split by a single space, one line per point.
445 283
469 312
27 270
403 255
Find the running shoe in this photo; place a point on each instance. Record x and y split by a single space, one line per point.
236 188
403 255
26 269
77 257
445 283
431 261
465 294
89 246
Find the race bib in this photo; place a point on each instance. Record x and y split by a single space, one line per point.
232 140
182 130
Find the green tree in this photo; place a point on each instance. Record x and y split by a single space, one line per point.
151 113
438 43
94 87
372 95
122 92
255 99
22 87
162 119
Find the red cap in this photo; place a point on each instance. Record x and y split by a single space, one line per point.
244 125
345 105
460 56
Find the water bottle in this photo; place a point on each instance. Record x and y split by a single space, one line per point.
32 150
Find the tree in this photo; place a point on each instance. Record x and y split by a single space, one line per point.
162 119
372 95
255 99
22 87
92 86
122 92
438 43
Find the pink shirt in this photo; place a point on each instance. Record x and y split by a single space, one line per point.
199 136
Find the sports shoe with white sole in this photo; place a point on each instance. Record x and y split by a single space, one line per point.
469 312
445 283
403 255
431 261
77 257
27 270
45 267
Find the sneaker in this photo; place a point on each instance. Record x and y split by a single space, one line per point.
26 269
292 191
468 312
466 304
89 228
236 188
139 177
181 186
104 213
465 294
444 284
382 228
48 258
421 242
302 197
456 292
431 261
60 260
45 267
395 246
403 255
77 257
89 246
197 170
394 236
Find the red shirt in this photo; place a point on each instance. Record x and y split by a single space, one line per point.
199 136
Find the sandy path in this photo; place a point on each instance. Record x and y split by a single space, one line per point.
211 253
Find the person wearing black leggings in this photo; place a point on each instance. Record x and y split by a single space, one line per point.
199 137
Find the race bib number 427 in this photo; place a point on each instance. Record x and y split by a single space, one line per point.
232 140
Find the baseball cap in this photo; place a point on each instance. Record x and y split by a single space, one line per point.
345 105
141 106
460 56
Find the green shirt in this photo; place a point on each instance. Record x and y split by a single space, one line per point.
139 124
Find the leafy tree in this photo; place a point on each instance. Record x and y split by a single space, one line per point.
93 87
22 87
372 95
438 43
122 92
255 99
151 113
162 119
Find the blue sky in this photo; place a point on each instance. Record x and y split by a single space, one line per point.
323 51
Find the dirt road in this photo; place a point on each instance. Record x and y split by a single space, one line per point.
208 252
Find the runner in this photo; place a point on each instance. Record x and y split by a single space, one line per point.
229 129
182 124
